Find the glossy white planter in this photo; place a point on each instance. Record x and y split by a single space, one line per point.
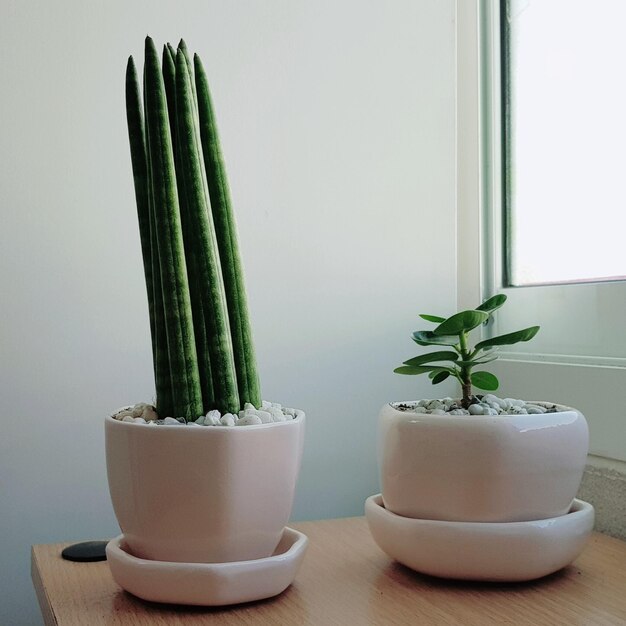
504 468
213 494
208 584
505 552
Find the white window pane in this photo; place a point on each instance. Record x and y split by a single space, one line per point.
568 140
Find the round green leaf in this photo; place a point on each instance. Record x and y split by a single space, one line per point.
432 318
428 338
493 303
484 380
461 322
474 362
443 355
439 377
509 339
413 370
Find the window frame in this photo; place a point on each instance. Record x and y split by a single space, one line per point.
504 87
481 229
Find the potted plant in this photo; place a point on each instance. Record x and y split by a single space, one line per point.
207 474
478 459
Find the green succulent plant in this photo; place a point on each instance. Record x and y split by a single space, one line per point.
201 337
460 359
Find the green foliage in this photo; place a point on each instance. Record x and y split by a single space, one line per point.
201 337
461 361
508 340
493 303
432 318
461 322
428 338
445 355
484 380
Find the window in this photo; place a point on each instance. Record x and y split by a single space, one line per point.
564 140
541 208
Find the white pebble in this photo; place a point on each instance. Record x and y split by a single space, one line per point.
287 418
138 409
265 405
149 413
289 411
213 418
437 412
249 420
128 418
264 416
476 409
139 420
170 421
276 413
248 406
276 405
228 417
533 409
227 420
420 410
200 421
458 412
193 424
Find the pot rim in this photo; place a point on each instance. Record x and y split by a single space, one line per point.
578 508
561 408
300 416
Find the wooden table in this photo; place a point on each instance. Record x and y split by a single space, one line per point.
346 580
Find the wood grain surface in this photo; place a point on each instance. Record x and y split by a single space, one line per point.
346 580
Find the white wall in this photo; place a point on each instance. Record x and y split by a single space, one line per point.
337 120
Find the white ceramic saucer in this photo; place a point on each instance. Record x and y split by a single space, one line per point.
208 584
491 551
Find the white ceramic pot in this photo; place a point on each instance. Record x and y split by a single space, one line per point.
503 468
212 494
505 552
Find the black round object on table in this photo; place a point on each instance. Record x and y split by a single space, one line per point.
86 552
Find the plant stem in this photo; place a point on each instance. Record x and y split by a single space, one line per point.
201 244
191 257
466 382
185 377
227 240
162 373
136 136
467 394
